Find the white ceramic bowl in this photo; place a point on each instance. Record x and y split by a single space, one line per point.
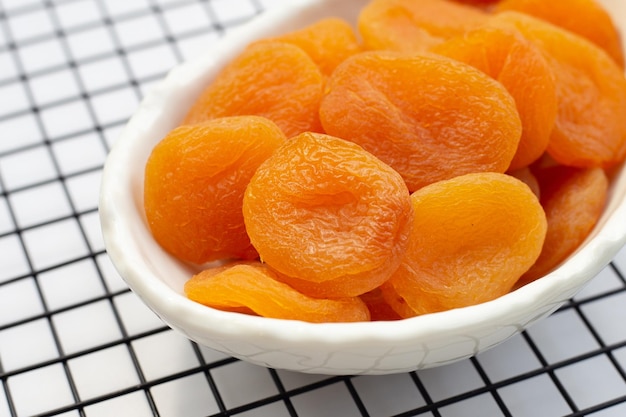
331 348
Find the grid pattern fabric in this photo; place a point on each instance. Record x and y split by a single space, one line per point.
74 341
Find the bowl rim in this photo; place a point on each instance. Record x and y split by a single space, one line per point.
175 309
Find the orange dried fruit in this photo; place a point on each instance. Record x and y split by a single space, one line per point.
526 176
323 210
414 25
194 183
586 18
573 199
483 4
252 286
520 66
472 237
327 41
275 80
591 94
428 116
379 309
341 286
397 303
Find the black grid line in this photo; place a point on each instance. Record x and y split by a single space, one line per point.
355 397
422 389
488 383
286 393
210 380
550 371
282 392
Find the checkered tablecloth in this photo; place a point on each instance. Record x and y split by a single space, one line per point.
74 341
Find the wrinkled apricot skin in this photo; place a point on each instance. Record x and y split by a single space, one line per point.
379 308
322 209
472 237
414 25
527 177
385 27
343 286
573 199
328 42
591 94
506 56
194 183
396 302
586 18
253 287
427 116
484 4
275 80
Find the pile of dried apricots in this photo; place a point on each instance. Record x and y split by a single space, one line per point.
436 155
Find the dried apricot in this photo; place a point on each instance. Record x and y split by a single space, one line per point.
527 177
520 66
428 116
275 80
328 42
472 237
573 199
252 286
483 4
397 303
379 309
591 94
322 209
330 288
414 25
586 18
195 179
